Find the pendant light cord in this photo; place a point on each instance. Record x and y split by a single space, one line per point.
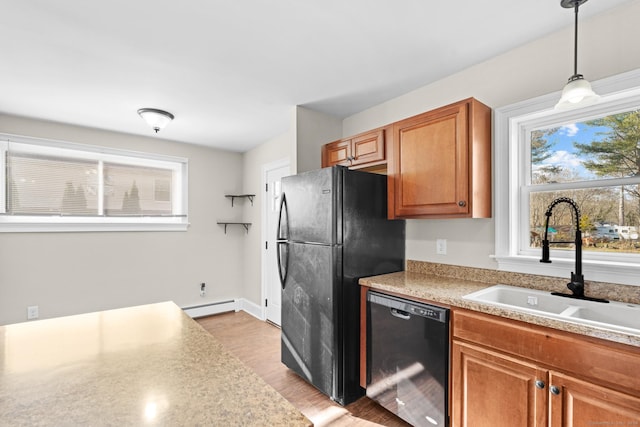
575 41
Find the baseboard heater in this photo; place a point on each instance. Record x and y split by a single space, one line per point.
212 308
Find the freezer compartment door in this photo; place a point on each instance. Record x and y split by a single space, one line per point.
309 335
312 213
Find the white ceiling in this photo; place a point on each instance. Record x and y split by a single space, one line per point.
231 70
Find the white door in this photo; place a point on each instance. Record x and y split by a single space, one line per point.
273 176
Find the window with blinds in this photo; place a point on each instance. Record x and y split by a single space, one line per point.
52 185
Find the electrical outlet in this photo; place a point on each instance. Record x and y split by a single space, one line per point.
32 312
203 289
441 246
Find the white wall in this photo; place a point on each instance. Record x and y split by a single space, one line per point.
70 273
282 147
314 129
607 47
308 131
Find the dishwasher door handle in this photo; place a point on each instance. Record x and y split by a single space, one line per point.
400 314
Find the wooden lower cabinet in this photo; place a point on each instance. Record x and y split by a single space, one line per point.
576 403
493 390
509 373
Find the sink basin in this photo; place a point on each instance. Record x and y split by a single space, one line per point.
529 300
622 315
616 316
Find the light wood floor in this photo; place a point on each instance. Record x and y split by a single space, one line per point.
257 344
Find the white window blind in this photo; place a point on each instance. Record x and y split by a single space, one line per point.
49 184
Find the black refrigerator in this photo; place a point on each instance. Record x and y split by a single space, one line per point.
332 230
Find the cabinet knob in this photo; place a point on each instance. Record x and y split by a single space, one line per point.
462 203
540 384
554 390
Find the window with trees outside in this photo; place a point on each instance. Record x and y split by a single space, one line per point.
590 155
60 186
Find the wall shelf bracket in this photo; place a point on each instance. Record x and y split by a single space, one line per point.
240 196
246 225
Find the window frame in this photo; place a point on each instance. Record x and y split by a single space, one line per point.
60 223
512 124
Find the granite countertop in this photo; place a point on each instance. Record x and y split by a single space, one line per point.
146 365
450 290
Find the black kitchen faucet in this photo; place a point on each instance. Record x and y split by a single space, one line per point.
577 279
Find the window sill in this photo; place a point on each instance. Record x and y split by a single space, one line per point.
608 272
92 225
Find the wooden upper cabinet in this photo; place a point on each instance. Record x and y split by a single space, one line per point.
439 163
368 148
336 153
363 150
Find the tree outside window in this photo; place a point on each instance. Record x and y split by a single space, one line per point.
597 163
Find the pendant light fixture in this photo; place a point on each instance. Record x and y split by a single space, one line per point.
577 92
157 119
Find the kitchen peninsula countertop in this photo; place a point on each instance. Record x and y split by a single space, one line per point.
450 290
145 365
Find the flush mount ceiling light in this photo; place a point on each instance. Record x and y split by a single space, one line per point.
577 92
157 119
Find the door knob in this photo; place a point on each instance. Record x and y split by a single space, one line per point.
540 384
462 203
554 390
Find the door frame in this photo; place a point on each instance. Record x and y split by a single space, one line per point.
266 168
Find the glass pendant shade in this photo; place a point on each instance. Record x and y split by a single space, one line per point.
577 93
157 119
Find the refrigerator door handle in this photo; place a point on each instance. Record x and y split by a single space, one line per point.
281 241
282 267
283 211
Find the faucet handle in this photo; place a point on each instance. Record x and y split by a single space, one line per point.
545 252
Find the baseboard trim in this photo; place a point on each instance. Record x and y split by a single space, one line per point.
212 308
224 307
253 309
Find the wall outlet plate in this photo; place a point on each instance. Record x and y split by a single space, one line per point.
441 246
32 312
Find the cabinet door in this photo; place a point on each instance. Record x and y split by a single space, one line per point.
440 163
432 158
575 403
492 390
367 148
336 153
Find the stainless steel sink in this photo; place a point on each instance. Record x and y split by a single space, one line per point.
616 316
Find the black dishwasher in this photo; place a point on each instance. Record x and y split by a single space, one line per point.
408 358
